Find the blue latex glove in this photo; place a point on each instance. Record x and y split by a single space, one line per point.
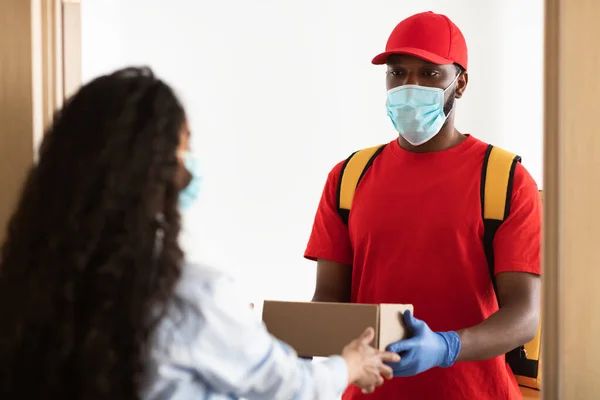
425 349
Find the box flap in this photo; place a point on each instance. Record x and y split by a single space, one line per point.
391 324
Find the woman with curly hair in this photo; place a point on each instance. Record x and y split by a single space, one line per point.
96 301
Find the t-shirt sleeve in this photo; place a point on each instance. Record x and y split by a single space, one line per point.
517 244
329 238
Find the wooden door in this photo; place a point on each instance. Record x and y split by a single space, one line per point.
571 325
39 65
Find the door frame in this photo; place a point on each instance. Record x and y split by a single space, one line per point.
40 65
571 257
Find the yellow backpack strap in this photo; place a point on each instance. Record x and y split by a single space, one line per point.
353 170
497 177
496 193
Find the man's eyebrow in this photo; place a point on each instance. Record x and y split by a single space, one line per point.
430 64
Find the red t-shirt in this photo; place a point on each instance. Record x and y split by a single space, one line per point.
415 237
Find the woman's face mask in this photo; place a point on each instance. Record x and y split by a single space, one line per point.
190 192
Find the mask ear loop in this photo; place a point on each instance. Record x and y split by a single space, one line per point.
453 82
449 86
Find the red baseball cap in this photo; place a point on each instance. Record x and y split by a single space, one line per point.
430 36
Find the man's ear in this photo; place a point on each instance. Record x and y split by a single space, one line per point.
461 84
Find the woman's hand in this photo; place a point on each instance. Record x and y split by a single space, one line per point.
366 365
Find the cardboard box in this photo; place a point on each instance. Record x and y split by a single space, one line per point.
323 329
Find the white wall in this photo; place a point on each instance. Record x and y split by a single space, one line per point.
278 91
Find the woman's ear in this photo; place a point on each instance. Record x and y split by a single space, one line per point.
461 84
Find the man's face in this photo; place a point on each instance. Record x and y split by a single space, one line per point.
410 70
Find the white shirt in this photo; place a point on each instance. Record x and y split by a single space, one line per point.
212 347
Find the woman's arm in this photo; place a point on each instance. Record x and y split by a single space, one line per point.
231 352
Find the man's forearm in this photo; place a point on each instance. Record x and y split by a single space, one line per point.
508 328
330 298
334 282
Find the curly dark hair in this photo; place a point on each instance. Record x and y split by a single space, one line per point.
83 282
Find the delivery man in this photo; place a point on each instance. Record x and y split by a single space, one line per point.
415 232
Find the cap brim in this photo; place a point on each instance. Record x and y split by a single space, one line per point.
425 55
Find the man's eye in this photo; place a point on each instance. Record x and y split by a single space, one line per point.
431 73
395 73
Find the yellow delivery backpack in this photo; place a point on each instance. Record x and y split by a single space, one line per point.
496 194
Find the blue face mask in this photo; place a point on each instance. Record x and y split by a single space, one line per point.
417 112
190 193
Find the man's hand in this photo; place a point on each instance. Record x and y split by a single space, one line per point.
425 349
